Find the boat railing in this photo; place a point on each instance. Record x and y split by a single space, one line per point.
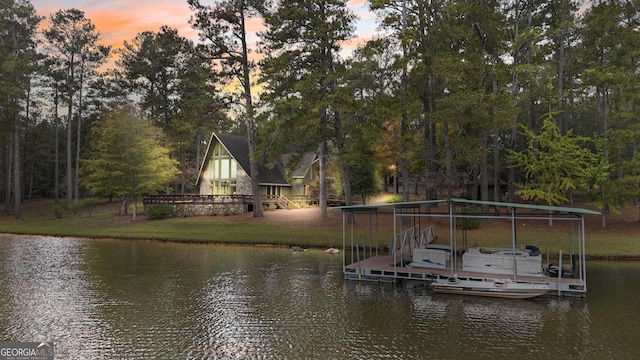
400 240
409 239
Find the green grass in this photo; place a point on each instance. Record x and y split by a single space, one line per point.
553 240
197 229
100 219
597 245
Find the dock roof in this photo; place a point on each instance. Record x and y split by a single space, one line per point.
458 201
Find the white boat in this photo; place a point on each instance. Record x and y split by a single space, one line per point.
500 288
500 260
431 256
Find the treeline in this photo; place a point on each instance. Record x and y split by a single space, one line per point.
539 94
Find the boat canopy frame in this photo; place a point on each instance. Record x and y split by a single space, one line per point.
554 213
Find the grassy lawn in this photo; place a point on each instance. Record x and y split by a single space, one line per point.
99 219
597 244
199 229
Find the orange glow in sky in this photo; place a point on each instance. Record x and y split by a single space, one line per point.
120 20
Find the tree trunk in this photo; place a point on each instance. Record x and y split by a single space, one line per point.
76 181
183 166
322 192
344 166
69 136
448 159
255 174
125 204
56 124
17 178
560 53
198 150
404 161
250 123
484 179
29 194
430 132
515 88
134 210
8 172
496 142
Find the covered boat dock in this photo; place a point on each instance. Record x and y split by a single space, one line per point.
370 259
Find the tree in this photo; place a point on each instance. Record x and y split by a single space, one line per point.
362 171
370 81
152 64
398 17
560 25
73 42
202 109
452 87
610 72
303 72
554 164
127 159
222 26
18 58
56 75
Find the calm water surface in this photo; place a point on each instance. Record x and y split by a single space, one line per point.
99 299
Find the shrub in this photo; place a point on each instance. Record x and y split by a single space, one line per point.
465 195
59 210
468 223
393 199
161 211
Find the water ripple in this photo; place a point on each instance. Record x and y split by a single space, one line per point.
140 300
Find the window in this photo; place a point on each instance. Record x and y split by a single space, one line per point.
222 171
225 171
273 190
223 187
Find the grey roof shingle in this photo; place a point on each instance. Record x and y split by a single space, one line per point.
238 148
303 164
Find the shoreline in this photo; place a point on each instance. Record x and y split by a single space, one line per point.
305 228
607 257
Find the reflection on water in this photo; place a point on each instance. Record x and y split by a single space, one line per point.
137 300
47 295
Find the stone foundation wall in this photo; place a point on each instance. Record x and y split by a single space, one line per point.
185 210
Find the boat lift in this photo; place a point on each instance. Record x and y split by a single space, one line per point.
408 232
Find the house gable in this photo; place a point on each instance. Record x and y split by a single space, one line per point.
219 176
302 170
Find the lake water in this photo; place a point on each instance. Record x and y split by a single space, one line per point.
109 299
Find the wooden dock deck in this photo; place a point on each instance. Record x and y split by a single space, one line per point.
381 268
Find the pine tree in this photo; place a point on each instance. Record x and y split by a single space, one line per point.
18 60
223 28
73 42
302 73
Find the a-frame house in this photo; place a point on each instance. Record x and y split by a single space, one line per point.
225 171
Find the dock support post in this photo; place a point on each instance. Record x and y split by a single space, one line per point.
358 259
559 273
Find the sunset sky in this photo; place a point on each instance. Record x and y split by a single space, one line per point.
119 20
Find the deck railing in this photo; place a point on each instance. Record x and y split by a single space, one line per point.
220 199
197 199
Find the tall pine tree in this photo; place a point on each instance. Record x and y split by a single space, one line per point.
302 72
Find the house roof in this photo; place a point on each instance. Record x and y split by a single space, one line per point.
304 163
238 148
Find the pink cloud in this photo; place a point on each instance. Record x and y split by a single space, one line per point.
123 20
120 20
356 3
